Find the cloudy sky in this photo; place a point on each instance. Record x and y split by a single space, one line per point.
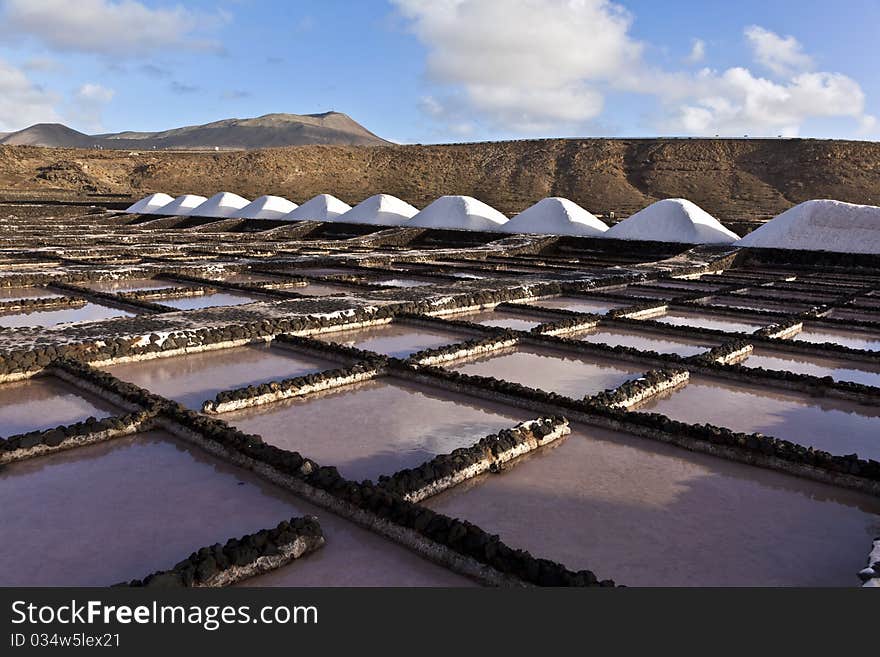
448 70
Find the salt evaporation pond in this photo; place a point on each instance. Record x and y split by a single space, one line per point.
648 514
14 293
851 339
119 510
566 374
703 320
498 319
45 402
645 341
646 293
852 314
324 290
397 340
377 427
208 301
834 425
577 304
839 369
756 304
787 295
89 312
132 285
195 378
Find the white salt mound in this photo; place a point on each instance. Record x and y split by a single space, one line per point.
183 204
555 216
221 205
150 204
459 213
323 207
673 220
266 207
821 225
380 210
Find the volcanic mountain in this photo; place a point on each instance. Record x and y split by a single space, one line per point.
271 130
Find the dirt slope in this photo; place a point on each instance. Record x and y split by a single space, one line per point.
736 180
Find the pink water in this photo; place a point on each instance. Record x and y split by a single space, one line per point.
132 285
855 315
209 301
573 376
120 510
12 293
44 403
195 378
836 426
647 514
645 341
577 304
757 304
377 427
398 340
322 290
852 339
718 322
498 319
90 312
839 369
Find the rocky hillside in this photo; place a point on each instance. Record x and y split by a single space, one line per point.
736 180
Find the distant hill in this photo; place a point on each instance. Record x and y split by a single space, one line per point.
271 130
49 134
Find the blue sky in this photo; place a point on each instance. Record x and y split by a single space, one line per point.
448 70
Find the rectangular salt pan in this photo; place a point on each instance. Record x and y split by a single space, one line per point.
647 514
398 340
14 293
838 369
195 378
90 312
323 290
378 427
705 320
556 371
209 301
851 339
645 341
833 425
132 285
119 510
45 403
498 319
578 304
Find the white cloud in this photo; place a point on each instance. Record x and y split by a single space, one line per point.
86 106
529 65
697 53
121 28
736 102
546 66
22 102
94 93
781 55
